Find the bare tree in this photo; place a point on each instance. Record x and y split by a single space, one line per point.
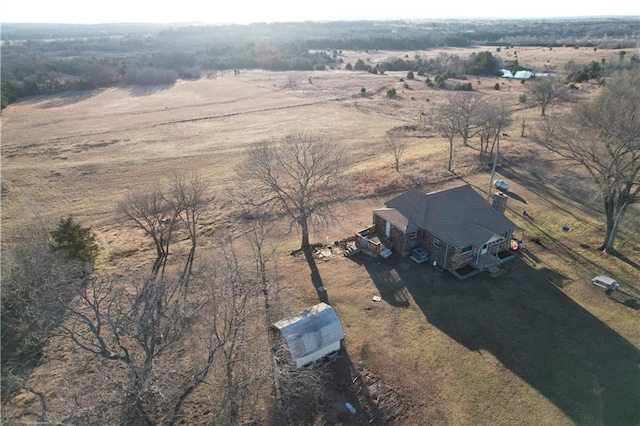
38 414
134 325
160 344
468 107
300 175
291 83
234 294
33 278
462 114
397 144
300 389
262 239
149 210
546 90
263 242
145 325
495 116
603 136
190 198
31 275
446 120
229 325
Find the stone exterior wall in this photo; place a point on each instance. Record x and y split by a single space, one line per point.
403 244
443 252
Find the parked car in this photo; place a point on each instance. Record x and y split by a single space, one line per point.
501 185
605 282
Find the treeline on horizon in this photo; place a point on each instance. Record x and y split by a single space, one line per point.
48 58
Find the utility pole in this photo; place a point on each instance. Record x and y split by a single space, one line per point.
495 162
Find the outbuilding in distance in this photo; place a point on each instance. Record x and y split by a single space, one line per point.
522 74
309 335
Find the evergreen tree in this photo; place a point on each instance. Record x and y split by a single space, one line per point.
74 241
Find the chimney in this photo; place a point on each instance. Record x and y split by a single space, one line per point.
500 201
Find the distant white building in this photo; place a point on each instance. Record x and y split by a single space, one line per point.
522 74
311 334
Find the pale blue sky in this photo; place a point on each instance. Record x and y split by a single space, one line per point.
244 11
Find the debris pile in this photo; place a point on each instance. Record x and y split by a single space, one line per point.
381 401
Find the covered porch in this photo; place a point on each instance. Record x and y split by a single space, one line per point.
490 257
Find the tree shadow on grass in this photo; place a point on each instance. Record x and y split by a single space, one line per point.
576 361
624 298
66 98
628 261
546 190
140 90
316 279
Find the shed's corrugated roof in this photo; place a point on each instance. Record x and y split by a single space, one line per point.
311 329
459 216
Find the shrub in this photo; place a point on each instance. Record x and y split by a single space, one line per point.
391 93
482 63
523 99
410 75
363 90
497 86
464 87
360 65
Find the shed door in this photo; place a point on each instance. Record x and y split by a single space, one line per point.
387 229
485 249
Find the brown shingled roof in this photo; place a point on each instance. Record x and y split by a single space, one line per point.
459 216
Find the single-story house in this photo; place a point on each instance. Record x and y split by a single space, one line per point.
457 229
309 335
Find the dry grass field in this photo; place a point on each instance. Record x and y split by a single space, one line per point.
539 345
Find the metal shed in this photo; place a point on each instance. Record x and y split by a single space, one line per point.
311 334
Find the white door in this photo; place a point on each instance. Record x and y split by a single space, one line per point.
485 249
387 229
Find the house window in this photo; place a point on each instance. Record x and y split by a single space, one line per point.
466 249
436 242
413 235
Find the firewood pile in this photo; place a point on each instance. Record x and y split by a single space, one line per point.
381 401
